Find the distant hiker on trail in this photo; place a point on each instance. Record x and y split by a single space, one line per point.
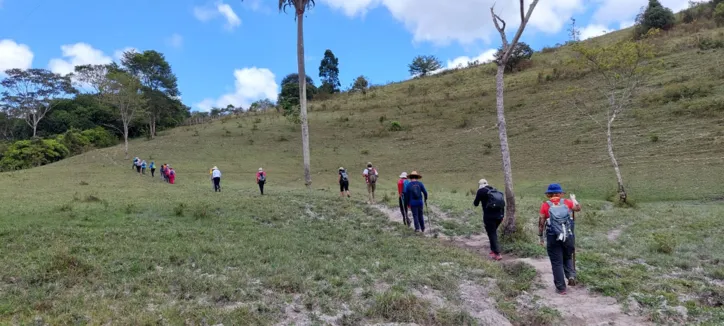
556 219
343 183
261 180
138 166
143 167
153 168
401 197
135 160
370 174
493 204
164 172
416 197
216 178
171 175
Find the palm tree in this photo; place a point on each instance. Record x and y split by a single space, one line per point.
300 6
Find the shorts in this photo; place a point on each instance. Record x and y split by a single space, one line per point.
371 187
343 186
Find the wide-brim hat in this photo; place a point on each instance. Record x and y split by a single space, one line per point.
403 175
415 174
554 188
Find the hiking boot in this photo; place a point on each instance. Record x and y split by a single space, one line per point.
572 282
491 255
498 257
561 292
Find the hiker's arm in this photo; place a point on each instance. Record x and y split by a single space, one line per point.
576 205
478 198
424 191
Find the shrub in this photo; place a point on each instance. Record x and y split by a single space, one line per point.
394 126
664 243
719 14
99 137
706 43
655 16
74 141
25 154
520 54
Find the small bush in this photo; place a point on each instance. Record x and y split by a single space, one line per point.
196 133
664 243
548 49
130 209
463 123
83 183
394 126
25 154
706 43
282 138
92 199
257 120
66 207
653 137
365 152
676 92
179 209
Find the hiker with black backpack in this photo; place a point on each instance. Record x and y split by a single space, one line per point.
261 180
416 197
343 183
370 174
493 205
556 219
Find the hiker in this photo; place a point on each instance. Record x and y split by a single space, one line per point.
261 180
163 172
556 219
216 178
143 167
416 197
171 175
138 166
133 166
343 183
401 197
370 174
492 202
153 168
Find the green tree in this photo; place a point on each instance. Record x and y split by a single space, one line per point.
521 52
423 65
158 80
654 16
360 84
25 154
29 94
123 91
619 72
329 73
261 105
719 14
289 94
502 62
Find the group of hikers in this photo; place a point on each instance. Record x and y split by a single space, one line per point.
556 217
168 174
215 174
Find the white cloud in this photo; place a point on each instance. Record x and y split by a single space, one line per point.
626 24
594 30
14 55
463 21
461 62
175 41
76 55
251 84
118 54
219 9
623 11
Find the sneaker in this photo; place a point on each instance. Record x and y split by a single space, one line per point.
492 255
561 292
572 282
498 257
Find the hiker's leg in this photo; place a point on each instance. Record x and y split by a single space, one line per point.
402 210
369 192
568 249
374 187
415 217
491 228
261 187
555 253
421 217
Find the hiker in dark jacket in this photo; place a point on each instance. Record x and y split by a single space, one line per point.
559 236
416 197
343 183
492 216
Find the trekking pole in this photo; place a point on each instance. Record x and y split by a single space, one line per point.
427 212
574 245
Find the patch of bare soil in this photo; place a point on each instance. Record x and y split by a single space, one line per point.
613 234
578 307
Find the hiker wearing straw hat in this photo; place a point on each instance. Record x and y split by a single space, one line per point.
261 180
343 182
401 197
556 219
216 177
370 174
416 197
493 204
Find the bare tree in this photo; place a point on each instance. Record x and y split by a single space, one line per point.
502 61
123 91
620 71
30 93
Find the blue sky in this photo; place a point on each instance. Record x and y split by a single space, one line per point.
229 52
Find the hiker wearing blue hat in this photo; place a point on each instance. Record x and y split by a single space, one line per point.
556 219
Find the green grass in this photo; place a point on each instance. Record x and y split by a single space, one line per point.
85 240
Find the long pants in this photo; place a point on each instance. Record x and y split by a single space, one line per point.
491 228
561 256
138 168
217 184
403 211
143 170
152 172
261 186
418 217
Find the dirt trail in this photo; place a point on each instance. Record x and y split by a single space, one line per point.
578 306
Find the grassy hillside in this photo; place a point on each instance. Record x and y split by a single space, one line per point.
87 240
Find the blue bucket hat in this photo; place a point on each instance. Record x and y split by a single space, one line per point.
554 188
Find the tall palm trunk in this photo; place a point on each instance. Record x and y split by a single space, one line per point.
303 97
505 153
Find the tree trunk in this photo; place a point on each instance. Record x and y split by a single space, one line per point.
505 153
125 138
619 178
303 98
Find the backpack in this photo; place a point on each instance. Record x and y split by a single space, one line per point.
559 220
496 200
415 191
344 176
371 176
262 177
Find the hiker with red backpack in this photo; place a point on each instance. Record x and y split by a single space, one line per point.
493 205
416 197
370 174
401 198
556 219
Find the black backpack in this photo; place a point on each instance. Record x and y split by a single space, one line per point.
496 200
344 175
262 177
371 175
